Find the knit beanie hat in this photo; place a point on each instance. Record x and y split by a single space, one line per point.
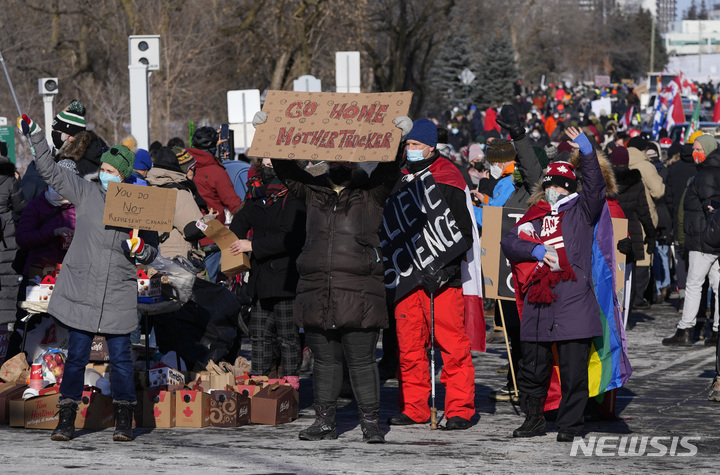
638 142
551 151
499 151
620 157
708 142
424 131
129 142
693 136
165 158
475 152
564 147
560 174
71 120
541 156
185 160
142 160
120 157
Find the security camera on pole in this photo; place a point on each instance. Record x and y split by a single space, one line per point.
144 56
48 87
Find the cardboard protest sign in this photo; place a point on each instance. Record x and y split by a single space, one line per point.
140 207
418 235
497 274
230 264
330 126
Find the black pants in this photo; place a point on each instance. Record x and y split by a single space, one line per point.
358 346
640 280
536 369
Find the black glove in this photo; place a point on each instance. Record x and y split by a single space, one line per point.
509 120
431 283
625 247
650 241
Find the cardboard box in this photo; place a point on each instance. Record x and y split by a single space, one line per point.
230 264
99 349
192 409
274 404
17 412
96 411
148 286
38 412
159 409
41 292
248 390
229 409
163 375
9 392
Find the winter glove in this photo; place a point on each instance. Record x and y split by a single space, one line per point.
431 283
539 252
650 245
625 248
403 122
584 143
508 119
259 118
134 245
27 126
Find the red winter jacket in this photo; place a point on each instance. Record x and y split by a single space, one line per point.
214 185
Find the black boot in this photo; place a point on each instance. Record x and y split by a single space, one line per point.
534 419
682 337
370 424
324 425
123 421
65 429
712 341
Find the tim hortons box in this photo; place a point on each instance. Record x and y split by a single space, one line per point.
148 286
229 409
274 404
41 292
159 409
95 411
192 409
38 412
163 375
10 392
99 349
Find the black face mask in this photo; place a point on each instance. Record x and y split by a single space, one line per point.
478 166
57 139
267 174
340 175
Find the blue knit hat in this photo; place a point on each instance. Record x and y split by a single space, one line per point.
142 160
424 131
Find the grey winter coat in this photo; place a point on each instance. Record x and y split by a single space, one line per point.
96 289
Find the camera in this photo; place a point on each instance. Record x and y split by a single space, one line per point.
48 85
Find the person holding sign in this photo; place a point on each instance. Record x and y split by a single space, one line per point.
559 304
340 299
412 312
96 291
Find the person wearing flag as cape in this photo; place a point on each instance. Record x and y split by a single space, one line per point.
560 306
412 312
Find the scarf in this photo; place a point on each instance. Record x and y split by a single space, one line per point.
270 192
540 285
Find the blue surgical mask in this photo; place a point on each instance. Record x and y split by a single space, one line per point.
106 178
415 155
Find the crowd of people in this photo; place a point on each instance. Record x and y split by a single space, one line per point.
317 280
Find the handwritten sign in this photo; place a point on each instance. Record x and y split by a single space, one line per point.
497 273
140 207
331 126
418 236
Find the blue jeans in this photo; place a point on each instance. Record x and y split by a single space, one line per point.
661 266
212 265
122 380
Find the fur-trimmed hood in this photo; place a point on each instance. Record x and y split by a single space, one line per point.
607 171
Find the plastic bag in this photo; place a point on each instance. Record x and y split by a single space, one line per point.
48 334
181 276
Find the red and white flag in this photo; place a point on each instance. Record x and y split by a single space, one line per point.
675 113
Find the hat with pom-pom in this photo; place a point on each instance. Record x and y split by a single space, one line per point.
71 120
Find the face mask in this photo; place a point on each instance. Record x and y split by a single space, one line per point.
54 197
415 155
553 196
340 175
535 135
267 174
699 157
455 130
478 166
556 115
106 178
495 171
57 138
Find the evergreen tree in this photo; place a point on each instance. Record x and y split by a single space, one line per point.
497 73
453 57
703 15
691 13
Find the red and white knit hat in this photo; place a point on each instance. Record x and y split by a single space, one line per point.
560 174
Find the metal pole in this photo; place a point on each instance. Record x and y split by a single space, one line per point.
507 345
12 89
433 409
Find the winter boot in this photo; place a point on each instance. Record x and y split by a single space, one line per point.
682 337
534 419
712 341
370 424
123 421
324 425
65 429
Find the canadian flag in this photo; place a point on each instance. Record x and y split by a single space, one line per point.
675 113
626 119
